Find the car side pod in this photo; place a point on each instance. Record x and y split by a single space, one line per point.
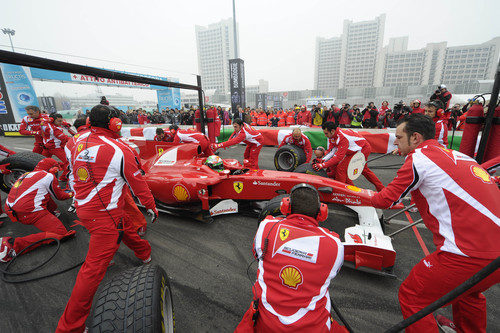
366 248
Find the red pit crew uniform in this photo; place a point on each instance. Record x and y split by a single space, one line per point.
303 143
30 202
184 136
54 141
294 273
31 126
459 204
441 131
102 166
348 142
253 139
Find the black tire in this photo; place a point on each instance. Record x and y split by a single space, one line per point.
272 207
137 300
307 168
288 158
20 163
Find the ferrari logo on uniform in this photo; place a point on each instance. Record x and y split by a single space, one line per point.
238 187
80 147
160 151
284 233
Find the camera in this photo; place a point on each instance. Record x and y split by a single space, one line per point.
437 92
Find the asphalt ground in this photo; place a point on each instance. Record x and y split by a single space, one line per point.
207 265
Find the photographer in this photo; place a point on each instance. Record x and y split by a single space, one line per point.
370 115
357 117
442 94
318 115
401 110
386 119
345 116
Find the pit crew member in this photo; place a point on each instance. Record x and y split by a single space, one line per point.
433 110
298 139
54 140
459 204
161 135
30 125
102 166
297 260
30 202
246 134
347 142
186 136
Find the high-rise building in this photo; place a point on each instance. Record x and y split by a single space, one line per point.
215 45
363 42
328 60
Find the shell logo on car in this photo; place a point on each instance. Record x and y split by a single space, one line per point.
353 188
481 174
180 192
291 277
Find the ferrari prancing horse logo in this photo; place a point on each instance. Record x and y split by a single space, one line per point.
284 233
238 187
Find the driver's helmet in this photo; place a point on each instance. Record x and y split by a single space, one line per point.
214 162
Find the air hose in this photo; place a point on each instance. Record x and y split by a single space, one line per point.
6 272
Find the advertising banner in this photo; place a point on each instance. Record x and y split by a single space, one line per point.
237 83
48 103
17 85
169 97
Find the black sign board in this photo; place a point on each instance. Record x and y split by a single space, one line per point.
261 101
7 121
48 103
237 83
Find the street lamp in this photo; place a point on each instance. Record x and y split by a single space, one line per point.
11 33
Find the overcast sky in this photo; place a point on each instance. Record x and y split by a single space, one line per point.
277 38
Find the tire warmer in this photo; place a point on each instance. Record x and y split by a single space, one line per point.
473 124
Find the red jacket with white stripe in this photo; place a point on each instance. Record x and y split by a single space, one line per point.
247 134
304 118
4 151
294 273
347 142
68 148
32 192
457 199
53 136
303 143
185 136
101 166
441 132
31 126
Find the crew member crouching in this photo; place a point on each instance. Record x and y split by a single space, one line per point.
297 261
30 202
298 139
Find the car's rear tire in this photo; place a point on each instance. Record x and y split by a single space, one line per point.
19 164
272 207
307 168
137 300
288 158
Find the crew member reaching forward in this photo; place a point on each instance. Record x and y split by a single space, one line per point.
102 166
346 142
298 139
297 261
460 205
246 134
30 125
186 136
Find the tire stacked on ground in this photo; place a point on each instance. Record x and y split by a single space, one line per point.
19 164
307 168
137 300
288 158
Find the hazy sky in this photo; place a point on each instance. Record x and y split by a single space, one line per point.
277 38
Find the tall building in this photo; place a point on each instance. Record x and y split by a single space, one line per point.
328 63
363 42
215 45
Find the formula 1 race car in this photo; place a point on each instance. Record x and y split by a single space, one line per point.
184 186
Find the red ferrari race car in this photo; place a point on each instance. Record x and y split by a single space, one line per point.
183 185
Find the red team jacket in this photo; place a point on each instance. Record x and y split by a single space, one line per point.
101 167
457 199
32 192
30 126
294 273
185 136
441 131
303 143
53 136
346 142
304 118
247 135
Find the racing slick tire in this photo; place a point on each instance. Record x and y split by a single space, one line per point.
272 207
19 164
137 300
307 168
288 158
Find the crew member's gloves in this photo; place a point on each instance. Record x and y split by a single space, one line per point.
215 146
318 166
317 161
153 213
36 133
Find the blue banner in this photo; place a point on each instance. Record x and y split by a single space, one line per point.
170 98
19 88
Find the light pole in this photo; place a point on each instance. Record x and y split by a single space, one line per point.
234 32
11 33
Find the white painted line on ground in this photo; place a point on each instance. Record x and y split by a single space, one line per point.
21 148
403 222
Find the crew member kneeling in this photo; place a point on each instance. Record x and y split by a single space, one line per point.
459 204
246 134
102 166
30 202
298 139
297 260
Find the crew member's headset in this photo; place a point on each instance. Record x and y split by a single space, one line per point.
114 124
